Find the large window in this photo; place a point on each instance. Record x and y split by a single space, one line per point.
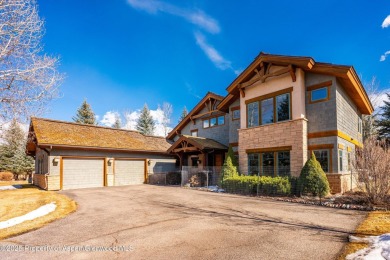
269 110
253 114
269 163
253 164
323 158
214 121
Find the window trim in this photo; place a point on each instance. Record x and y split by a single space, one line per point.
329 147
260 153
326 84
194 131
272 95
216 118
232 109
340 160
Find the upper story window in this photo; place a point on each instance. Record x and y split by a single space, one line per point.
194 132
267 110
235 111
214 121
319 92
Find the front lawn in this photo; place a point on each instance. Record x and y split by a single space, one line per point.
18 202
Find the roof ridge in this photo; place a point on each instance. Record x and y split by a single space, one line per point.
88 125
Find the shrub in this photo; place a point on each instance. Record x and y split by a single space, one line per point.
6 176
173 178
257 185
313 179
294 181
228 170
372 164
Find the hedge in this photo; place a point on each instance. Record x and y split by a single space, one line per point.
263 185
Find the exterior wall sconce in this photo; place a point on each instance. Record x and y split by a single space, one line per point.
56 160
199 162
110 160
149 162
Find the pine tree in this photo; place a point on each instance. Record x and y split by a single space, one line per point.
13 157
228 170
184 113
145 123
383 122
117 123
85 115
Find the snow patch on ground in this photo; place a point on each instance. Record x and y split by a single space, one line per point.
10 187
215 189
378 248
39 212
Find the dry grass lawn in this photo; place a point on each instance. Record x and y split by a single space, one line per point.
15 203
376 223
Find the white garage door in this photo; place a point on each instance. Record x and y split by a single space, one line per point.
82 173
129 172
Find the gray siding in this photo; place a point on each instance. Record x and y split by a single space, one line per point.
217 133
347 114
234 125
322 116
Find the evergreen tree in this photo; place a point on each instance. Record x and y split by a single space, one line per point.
232 156
313 179
85 115
383 122
13 157
184 113
228 170
117 123
145 123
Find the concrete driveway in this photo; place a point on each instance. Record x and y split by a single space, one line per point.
175 223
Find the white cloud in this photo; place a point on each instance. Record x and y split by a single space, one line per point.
378 100
196 17
384 56
109 118
157 115
386 22
218 60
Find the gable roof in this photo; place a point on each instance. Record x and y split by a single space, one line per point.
193 112
55 133
200 143
345 74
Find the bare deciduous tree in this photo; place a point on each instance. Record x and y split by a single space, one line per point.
167 113
372 166
28 77
376 97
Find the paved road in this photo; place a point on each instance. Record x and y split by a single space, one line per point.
175 223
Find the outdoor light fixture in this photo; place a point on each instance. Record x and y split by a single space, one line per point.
199 161
110 160
149 162
56 160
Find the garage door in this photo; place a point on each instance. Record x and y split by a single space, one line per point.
129 172
82 173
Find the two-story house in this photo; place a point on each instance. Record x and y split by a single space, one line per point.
276 112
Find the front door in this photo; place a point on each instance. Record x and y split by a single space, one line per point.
218 160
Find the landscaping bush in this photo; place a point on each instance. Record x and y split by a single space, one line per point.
257 185
174 178
294 181
6 176
313 179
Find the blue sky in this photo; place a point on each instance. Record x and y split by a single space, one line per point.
120 54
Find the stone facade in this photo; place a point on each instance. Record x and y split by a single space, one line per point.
291 133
